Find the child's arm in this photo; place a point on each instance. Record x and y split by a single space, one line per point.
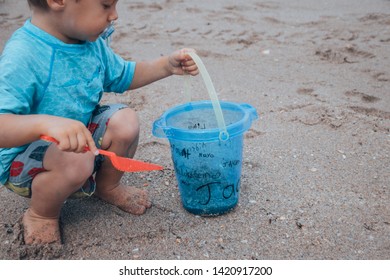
178 63
18 130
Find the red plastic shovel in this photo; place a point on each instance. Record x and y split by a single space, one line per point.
120 163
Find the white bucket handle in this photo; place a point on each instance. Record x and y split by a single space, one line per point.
223 134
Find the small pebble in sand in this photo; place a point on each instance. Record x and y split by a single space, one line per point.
266 52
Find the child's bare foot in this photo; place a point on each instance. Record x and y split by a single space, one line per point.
129 199
40 230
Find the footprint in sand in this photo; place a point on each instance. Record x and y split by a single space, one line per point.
371 112
362 96
307 91
253 133
347 54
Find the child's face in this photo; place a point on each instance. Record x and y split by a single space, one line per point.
85 20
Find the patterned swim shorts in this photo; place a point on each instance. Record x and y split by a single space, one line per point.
29 163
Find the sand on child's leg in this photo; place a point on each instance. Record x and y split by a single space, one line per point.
65 173
40 230
127 198
121 137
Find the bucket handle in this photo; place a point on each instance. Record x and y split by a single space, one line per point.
223 134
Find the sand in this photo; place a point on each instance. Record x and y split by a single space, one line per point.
315 180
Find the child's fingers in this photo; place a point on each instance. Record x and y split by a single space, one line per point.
184 56
188 62
81 143
69 143
63 143
91 144
189 66
73 143
182 63
192 69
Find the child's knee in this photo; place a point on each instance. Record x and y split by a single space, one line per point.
124 126
79 167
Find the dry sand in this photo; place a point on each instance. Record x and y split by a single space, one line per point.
315 178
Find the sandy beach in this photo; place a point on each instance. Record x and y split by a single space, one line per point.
315 180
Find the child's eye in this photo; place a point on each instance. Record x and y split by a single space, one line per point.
108 4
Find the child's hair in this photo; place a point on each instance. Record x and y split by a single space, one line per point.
42 4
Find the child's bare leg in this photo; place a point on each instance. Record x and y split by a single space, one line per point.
121 137
66 172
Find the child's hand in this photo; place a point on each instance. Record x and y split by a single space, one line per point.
178 63
181 63
72 135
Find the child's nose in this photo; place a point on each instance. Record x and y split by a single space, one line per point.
113 16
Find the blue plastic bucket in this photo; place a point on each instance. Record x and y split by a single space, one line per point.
207 164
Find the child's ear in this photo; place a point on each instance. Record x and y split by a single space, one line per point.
56 5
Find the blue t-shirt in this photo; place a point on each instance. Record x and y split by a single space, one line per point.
40 74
